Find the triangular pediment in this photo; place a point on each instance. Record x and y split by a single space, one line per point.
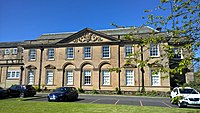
88 35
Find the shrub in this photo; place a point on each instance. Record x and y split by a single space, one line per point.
152 93
80 90
118 91
192 84
176 99
138 93
36 88
94 91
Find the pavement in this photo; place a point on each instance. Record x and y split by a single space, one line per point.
116 100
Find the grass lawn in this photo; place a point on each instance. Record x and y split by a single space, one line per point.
16 106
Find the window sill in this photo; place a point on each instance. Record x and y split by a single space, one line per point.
87 85
106 85
31 60
154 56
87 58
12 79
69 59
105 58
50 85
50 59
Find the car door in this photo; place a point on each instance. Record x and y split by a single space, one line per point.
174 92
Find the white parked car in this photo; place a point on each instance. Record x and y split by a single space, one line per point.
190 97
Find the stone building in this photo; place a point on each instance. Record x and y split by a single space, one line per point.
83 59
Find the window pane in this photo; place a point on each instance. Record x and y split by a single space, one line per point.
49 78
155 78
30 77
7 51
14 50
13 74
87 52
69 77
177 52
106 51
51 54
153 50
87 77
128 50
17 74
70 53
106 77
129 77
32 55
9 75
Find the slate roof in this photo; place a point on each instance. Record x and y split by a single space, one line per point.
110 32
9 44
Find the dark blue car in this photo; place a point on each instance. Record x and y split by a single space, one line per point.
3 93
63 94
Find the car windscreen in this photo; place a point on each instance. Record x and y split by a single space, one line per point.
61 90
188 91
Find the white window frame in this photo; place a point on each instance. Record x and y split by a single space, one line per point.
178 52
105 77
154 78
32 54
7 51
87 77
129 52
87 54
70 53
130 79
31 77
69 77
14 52
154 50
51 53
106 51
13 74
50 78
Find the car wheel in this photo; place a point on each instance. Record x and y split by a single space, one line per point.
76 97
22 95
180 105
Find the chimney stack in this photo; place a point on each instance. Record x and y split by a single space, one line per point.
159 29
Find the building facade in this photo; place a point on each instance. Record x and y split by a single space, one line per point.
83 59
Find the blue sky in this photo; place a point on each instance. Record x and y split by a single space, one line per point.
28 19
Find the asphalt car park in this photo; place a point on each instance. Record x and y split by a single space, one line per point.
121 100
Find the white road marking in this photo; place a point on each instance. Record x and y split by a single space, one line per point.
141 103
116 102
95 101
167 104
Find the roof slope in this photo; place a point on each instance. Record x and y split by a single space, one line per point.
111 32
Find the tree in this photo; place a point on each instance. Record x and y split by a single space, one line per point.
181 28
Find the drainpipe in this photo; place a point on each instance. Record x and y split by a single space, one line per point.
100 79
63 77
142 70
40 71
119 88
81 71
21 74
0 73
6 76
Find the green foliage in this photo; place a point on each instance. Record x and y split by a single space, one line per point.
94 91
176 99
76 107
80 90
118 91
36 88
195 85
